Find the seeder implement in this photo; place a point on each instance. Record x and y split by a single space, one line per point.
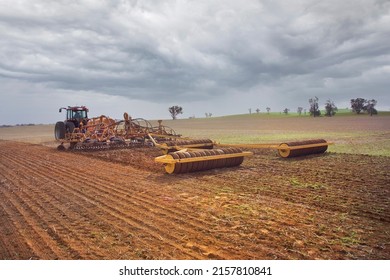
83 133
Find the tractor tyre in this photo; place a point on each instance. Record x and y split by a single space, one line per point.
69 127
59 131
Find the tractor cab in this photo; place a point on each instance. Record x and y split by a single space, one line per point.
76 115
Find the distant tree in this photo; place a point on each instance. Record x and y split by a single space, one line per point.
208 115
357 105
257 110
299 110
250 111
305 111
268 109
314 109
286 110
175 110
330 108
370 107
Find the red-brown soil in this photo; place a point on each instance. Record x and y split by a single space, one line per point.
120 205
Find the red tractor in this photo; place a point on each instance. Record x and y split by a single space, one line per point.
74 116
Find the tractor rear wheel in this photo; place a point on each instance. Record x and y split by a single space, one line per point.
59 130
69 127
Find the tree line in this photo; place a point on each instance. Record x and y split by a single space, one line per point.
358 106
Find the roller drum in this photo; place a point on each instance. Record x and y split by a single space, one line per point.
287 152
200 143
203 163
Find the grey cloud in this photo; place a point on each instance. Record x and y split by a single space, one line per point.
198 50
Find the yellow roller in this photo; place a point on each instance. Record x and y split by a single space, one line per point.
290 149
190 161
302 148
172 146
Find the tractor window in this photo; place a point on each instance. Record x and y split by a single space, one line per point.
69 114
79 114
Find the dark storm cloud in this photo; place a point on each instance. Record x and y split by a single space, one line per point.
199 50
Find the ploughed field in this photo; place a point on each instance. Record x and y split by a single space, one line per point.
119 204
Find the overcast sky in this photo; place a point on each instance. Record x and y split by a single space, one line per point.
222 57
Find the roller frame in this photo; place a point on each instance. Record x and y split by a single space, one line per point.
304 146
166 148
283 149
166 159
194 147
181 147
275 146
254 146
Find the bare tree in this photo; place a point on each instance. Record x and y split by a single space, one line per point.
175 110
299 110
268 109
